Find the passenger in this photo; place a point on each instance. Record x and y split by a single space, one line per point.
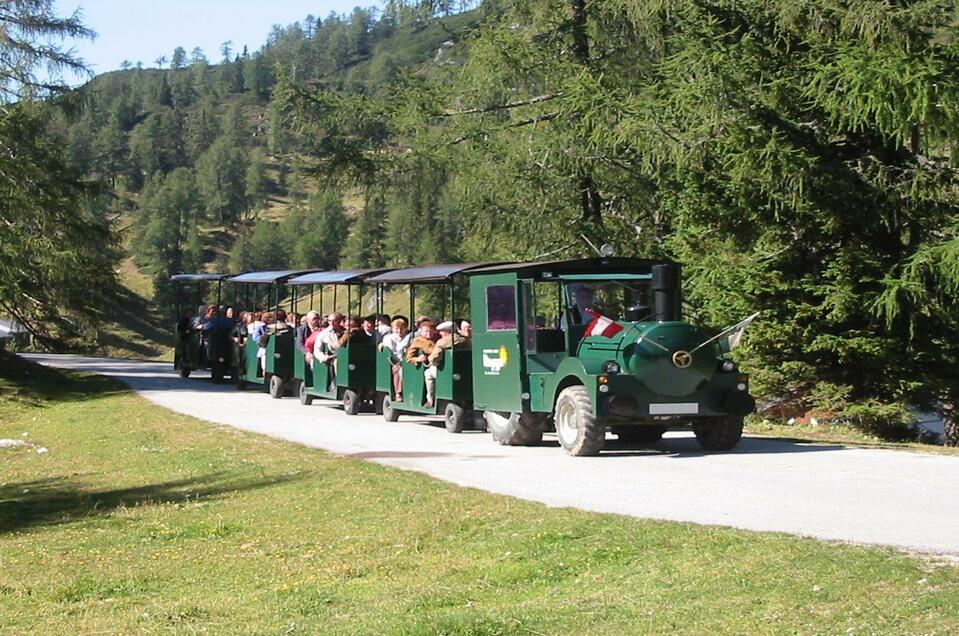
355 332
384 327
230 313
200 317
278 325
215 321
396 342
313 325
256 323
448 339
422 345
368 326
309 322
241 329
465 329
258 337
274 325
327 343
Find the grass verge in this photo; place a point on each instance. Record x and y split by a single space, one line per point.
845 435
139 519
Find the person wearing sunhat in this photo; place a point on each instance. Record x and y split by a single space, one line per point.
448 339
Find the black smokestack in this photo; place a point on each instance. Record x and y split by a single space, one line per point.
667 296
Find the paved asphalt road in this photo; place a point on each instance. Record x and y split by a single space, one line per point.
897 498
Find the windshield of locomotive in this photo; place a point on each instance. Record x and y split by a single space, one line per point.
623 300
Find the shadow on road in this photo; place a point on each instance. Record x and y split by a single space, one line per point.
58 500
686 447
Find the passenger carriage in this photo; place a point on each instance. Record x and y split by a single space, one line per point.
193 349
276 371
454 381
354 381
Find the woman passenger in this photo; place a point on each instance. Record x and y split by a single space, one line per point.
396 343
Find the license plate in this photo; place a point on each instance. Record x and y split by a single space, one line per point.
674 408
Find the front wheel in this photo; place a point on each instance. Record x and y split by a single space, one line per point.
579 430
305 398
720 434
351 402
276 387
216 374
516 429
456 418
184 373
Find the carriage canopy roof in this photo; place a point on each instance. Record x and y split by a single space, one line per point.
281 276
195 278
336 277
582 268
426 273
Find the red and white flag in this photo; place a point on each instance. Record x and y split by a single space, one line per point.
600 325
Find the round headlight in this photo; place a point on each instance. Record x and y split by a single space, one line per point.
729 366
612 367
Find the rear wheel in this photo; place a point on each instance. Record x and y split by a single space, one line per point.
276 387
580 432
639 434
720 434
389 413
184 373
305 398
351 402
516 429
378 403
216 373
457 418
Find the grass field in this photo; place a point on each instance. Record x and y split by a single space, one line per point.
138 519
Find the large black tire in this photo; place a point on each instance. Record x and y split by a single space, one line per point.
389 413
277 387
479 422
216 373
579 431
305 398
351 402
378 403
639 434
184 373
457 418
720 434
516 429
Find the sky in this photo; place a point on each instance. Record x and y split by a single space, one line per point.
143 30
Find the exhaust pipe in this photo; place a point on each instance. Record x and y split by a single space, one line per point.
667 296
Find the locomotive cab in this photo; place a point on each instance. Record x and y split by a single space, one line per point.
598 344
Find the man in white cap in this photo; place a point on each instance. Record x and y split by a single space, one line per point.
448 339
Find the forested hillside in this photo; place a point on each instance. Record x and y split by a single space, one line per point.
797 157
201 157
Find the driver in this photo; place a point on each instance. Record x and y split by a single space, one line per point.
581 297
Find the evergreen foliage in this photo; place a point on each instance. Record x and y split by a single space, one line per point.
797 157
